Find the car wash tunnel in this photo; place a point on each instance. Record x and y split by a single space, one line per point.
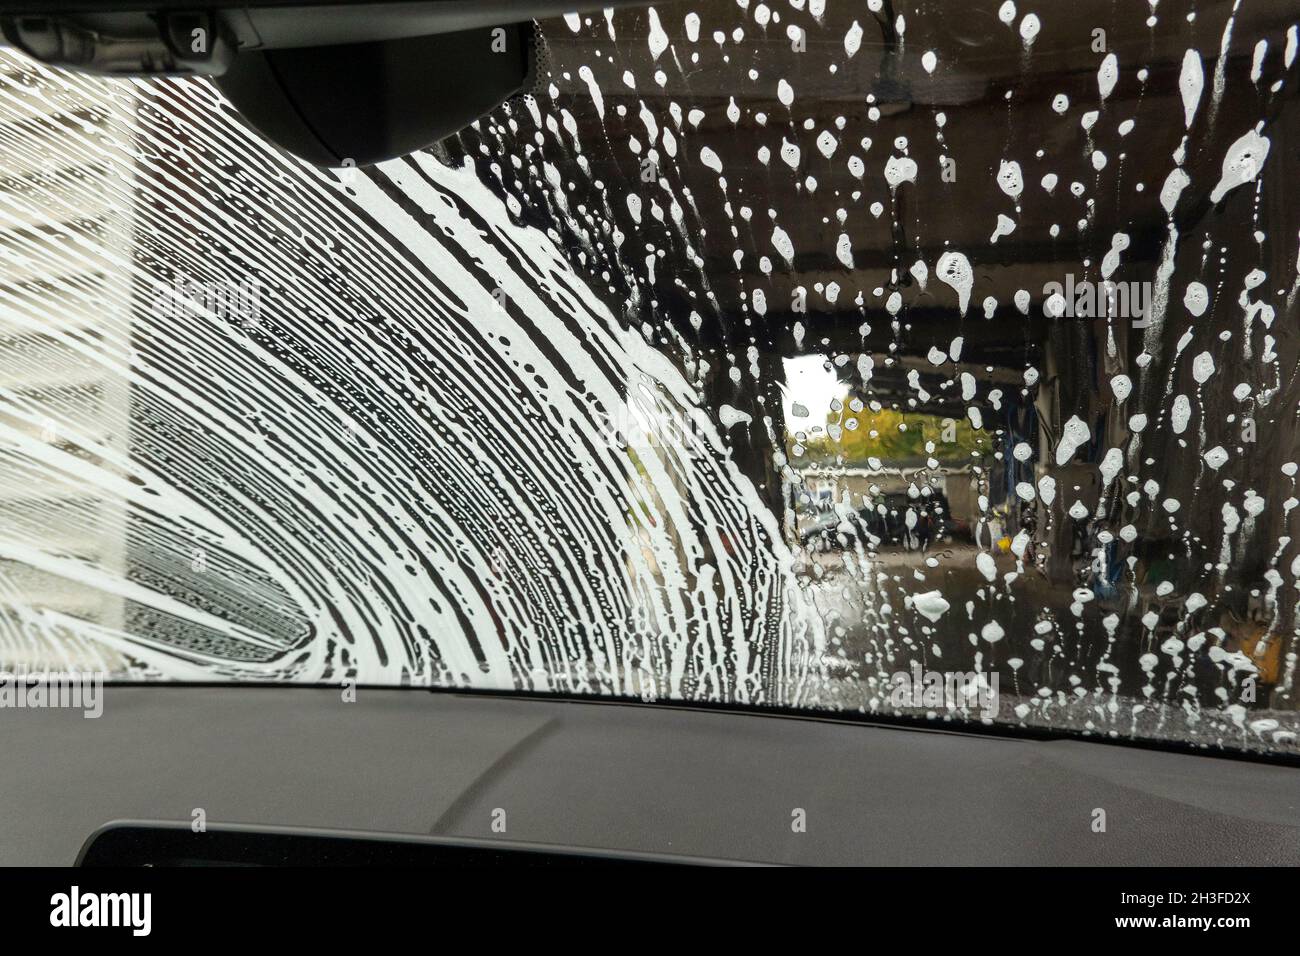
987 314
762 351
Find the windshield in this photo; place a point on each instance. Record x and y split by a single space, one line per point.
925 360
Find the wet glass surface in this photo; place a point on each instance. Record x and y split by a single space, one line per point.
924 359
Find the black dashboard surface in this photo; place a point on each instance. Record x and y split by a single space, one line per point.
627 778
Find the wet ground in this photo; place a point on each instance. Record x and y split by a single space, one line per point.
1057 663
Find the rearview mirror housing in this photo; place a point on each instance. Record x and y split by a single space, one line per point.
335 82
357 104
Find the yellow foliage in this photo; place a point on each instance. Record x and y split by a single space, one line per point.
891 436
